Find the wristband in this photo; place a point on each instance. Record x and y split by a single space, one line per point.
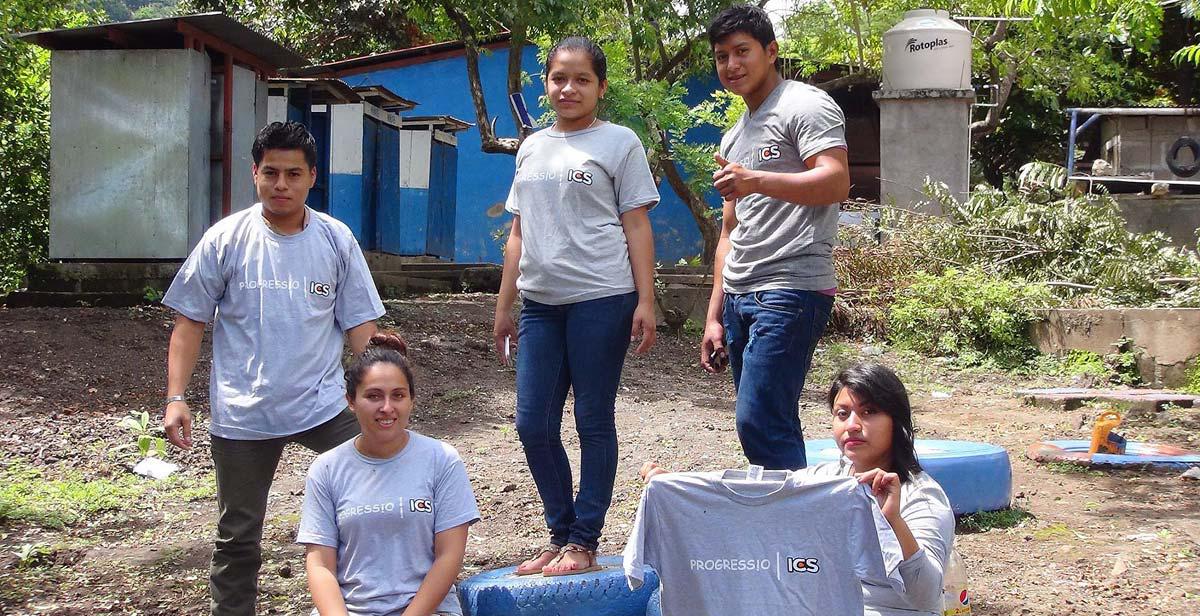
177 398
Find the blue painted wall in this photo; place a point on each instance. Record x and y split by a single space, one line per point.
483 180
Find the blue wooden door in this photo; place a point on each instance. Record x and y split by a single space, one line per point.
370 192
443 178
388 215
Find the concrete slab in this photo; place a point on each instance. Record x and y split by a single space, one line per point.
1136 400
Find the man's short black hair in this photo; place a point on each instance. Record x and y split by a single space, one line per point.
285 136
742 18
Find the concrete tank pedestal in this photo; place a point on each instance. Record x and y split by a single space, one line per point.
923 133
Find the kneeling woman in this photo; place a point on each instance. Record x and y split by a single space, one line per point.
386 513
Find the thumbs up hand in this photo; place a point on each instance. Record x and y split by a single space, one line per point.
733 180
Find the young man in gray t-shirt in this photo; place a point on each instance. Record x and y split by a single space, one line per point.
783 172
283 286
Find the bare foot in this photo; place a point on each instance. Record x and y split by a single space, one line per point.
649 470
535 564
570 561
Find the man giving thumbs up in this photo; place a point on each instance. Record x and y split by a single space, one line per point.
782 174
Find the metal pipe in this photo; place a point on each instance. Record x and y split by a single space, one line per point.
1086 123
227 140
1071 142
1140 111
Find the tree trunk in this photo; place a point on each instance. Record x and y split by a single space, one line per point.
487 137
516 52
696 204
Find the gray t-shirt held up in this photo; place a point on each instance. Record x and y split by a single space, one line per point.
777 244
570 191
382 516
280 306
791 544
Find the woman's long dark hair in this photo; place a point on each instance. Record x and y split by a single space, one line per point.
878 386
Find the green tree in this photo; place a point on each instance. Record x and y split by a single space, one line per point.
25 131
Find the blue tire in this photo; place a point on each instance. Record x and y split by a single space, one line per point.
975 476
654 606
600 593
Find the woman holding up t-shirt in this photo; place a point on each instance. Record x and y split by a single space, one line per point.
581 253
386 513
872 424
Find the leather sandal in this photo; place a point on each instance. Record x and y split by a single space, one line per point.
590 566
550 547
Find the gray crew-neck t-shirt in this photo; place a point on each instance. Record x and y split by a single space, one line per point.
793 544
280 306
570 191
382 516
777 244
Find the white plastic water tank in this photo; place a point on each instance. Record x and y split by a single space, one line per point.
927 50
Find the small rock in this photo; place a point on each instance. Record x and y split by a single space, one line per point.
285 572
1191 473
511 487
872 351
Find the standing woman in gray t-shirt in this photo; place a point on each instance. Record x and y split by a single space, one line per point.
581 253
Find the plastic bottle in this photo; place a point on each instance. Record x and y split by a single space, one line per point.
955 600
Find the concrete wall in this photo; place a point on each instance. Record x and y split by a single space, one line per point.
128 153
923 133
1164 338
1137 145
1176 216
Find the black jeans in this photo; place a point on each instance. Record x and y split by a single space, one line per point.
245 470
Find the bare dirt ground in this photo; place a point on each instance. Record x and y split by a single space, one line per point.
1094 543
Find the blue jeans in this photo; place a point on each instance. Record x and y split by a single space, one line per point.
770 337
580 347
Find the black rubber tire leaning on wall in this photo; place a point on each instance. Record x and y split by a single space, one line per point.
1182 170
600 593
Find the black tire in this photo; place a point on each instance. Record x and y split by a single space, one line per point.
1179 169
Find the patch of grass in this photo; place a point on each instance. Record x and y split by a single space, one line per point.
693 328
1057 530
192 488
454 395
983 521
27 495
1192 378
1070 468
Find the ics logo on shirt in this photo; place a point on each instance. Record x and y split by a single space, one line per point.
420 505
802 565
768 152
580 176
320 288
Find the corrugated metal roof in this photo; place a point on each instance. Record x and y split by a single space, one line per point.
443 122
163 33
380 96
335 88
366 62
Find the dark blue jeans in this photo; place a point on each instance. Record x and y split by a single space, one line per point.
580 347
770 337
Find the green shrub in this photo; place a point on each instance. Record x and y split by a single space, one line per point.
968 314
1037 231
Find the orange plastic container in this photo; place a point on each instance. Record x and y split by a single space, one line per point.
1105 422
